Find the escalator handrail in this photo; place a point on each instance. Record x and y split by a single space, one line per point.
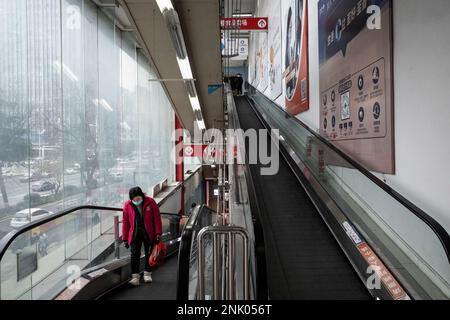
8 239
435 226
184 254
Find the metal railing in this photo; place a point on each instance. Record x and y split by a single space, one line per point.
45 266
224 265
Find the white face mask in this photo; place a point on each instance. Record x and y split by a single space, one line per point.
138 203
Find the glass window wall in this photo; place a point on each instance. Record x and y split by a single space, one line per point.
80 122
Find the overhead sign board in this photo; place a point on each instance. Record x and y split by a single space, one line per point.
245 24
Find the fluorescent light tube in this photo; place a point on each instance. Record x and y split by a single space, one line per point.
106 105
195 103
164 5
185 68
66 70
191 89
126 126
201 125
176 35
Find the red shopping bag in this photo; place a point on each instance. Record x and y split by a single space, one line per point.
158 255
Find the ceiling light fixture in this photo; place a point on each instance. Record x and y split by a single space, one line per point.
164 5
176 35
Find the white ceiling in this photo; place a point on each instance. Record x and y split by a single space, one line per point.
245 6
200 24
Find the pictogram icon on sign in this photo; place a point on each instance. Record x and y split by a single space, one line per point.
188 151
262 23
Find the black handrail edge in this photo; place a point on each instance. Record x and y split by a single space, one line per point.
6 241
435 226
184 253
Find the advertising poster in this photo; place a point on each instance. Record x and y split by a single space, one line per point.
238 48
296 73
355 52
243 49
256 59
263 62
275 52
251 62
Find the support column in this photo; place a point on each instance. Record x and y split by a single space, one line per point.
179 166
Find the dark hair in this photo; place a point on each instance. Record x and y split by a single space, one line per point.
193 205
136 192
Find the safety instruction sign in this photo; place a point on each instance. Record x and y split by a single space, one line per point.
356 83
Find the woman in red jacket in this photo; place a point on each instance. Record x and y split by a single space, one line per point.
141 225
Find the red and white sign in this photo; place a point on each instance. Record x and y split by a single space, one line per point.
194 150
386 277
248 24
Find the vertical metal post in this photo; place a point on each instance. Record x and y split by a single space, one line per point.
216 266
231 260
224 263
246 267
179 162
116 236
228 257
201 268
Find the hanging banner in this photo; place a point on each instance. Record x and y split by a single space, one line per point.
263 62
275 54
243 48
245 24
256 71
296 73
238 48
355 52
251 61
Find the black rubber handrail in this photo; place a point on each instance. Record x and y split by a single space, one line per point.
184 253
6 241
435 226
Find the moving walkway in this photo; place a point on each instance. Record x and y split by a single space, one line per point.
332 229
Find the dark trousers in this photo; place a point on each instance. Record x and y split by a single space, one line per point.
136 247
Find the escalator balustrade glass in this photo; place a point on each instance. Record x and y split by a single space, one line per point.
413 245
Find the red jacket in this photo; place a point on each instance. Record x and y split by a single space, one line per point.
152 220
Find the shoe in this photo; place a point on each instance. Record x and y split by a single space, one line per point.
135 277
148 277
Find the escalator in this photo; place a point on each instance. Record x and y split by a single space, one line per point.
176 278
306 262
331 229
98 265
163 287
